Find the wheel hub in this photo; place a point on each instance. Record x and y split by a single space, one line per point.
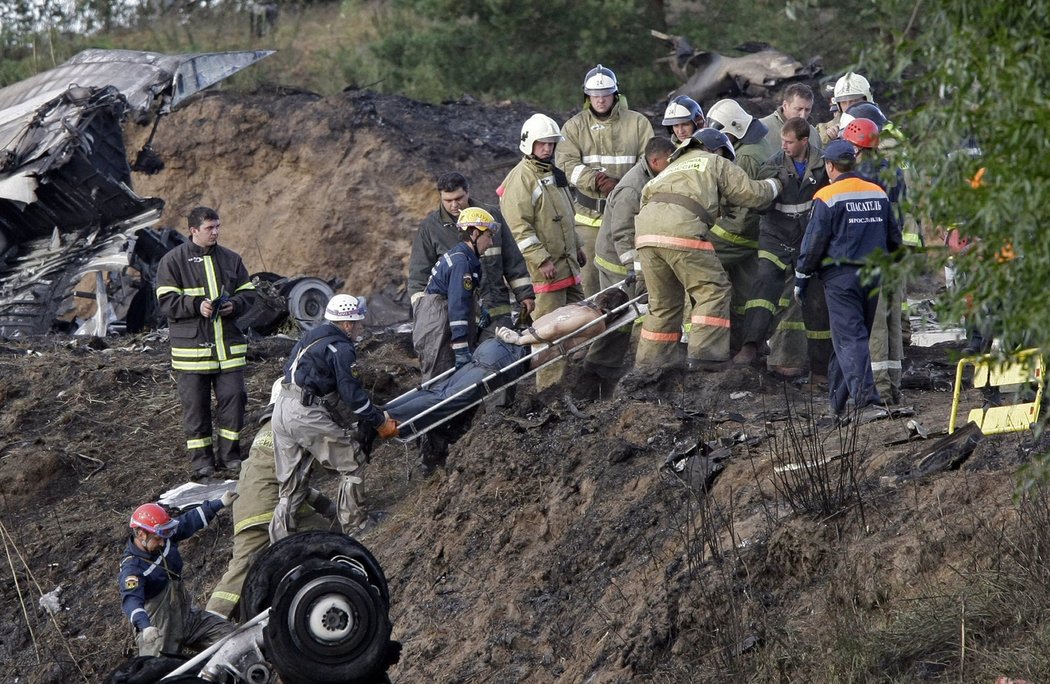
330 618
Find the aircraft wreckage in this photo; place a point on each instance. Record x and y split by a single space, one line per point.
72 230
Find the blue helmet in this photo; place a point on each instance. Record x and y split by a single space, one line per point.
870 111
714 140
682 109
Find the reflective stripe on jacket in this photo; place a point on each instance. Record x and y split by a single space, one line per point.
612 145
705 179
540 215
186 276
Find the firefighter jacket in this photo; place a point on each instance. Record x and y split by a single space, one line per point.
324 362
775 123
538 208
503 268
186 276
737 225
611 145
614 250
851 219
790 213
456 277
143 576
680 205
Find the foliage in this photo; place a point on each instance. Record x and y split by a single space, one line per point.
976 71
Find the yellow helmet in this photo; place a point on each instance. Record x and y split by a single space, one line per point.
475 217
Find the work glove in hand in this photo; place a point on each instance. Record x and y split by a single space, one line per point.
228 498
605 183
150 638
484 320
366 437
388 428
462 358
322 504
801 281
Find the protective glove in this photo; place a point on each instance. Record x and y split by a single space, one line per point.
228 497
151 639
322 504
484 320
801 281
366 437
462 358
605 183
388 428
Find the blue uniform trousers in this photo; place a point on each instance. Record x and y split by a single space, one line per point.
851 309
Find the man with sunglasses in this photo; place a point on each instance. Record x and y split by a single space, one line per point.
152 593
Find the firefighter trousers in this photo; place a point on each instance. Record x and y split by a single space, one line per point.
231 395
587 236
887 344
182 626
700 274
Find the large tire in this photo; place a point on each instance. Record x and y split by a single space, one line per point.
329 625
307 298
275 562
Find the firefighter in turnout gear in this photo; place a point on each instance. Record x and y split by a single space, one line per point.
444 332
683 117
536 203
800 170
321 370
601 144
201 288
503 270
152 594
672 235
616 258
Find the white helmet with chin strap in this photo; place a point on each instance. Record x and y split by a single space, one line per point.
344 307
539 128
852 87
600 81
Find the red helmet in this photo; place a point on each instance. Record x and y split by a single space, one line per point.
862 133
154 519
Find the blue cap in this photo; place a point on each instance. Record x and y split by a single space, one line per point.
840 151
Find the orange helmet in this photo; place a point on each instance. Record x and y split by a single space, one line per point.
154 519
862 133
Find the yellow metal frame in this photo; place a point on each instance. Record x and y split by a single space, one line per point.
1021 368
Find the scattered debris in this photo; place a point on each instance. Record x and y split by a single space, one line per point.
191 494
707 76
51 601
948 453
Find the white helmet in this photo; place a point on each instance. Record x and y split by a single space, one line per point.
344 307
539 128
730 117
600 81
852 87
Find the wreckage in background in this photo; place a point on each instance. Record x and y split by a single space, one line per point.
708 76
77 251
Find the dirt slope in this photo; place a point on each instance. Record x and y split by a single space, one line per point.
554 547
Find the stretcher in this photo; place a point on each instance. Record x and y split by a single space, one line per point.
626 314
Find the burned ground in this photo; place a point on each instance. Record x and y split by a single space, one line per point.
554 546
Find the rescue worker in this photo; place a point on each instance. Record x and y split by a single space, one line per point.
321 370
152 593
683 117
886 343
253 510
445 332
201 288
503 269
601 144
616 259
851 219
800 171
536 202
797 101
672 235
735 236
849 89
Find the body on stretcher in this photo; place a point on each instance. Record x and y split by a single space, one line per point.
442 407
